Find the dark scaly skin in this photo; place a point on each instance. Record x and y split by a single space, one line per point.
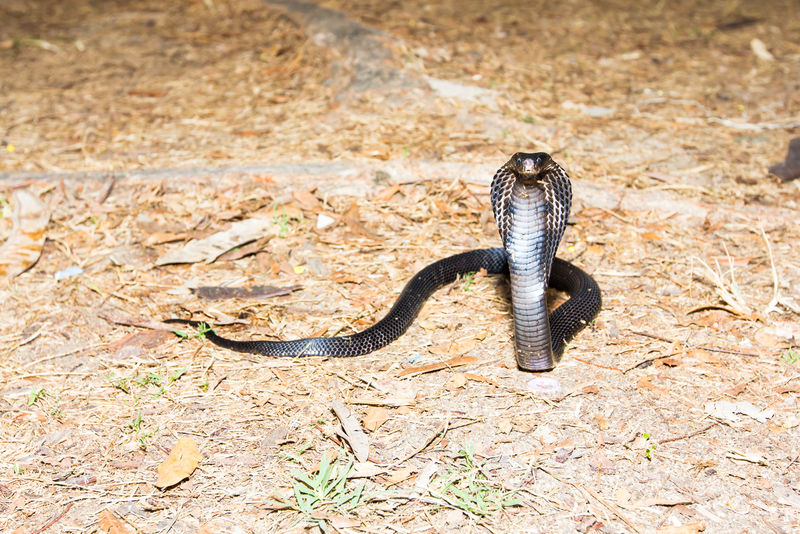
531 197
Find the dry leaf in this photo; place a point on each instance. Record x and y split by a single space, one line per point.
108 523
307 200
183 459
400 475
786 495
453 347
23 247
589 389
213 246
646 384
728 410
481 378
703 356
375 417
351 431
602 422
760 50
505 425
458 380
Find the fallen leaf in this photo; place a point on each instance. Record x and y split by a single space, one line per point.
108 523
458 380
760 50
453 347
386 193
590 389
351 431
183 459
602 422
668 362
247 250
786 495
160 238
307 200
646 384
24 246
703 356
255 292
687 528
505 426
728 410
480 378
400 475
600 462
375 417
210 248
352 220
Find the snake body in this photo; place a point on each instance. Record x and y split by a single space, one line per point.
531 196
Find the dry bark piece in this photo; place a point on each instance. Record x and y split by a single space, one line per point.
23 247
183 459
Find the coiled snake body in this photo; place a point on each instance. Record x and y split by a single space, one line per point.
531 197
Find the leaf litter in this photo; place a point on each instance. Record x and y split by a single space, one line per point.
662 189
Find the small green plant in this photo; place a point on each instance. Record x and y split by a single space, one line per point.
528 119
136 426
791 356
204 384
650 450
119 383
469 488
326 489
469 279
295 457
282 220
18 469
35 395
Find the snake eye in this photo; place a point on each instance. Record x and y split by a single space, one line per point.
538 160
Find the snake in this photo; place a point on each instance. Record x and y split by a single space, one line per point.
531 197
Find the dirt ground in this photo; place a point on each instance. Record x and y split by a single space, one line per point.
144 125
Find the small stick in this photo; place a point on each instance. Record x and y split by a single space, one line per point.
53 521
686 436
598 365
702 347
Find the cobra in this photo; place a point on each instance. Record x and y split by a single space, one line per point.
531 198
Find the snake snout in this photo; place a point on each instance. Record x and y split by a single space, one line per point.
529 164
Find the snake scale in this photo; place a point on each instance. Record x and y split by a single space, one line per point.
531 197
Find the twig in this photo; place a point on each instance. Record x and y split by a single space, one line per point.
53 521
772 303
702 347
596 497
686 436
598 365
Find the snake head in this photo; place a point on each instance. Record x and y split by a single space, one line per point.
530 166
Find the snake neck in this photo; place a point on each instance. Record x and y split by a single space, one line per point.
527 245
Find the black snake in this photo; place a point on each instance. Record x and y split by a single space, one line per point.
531 197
